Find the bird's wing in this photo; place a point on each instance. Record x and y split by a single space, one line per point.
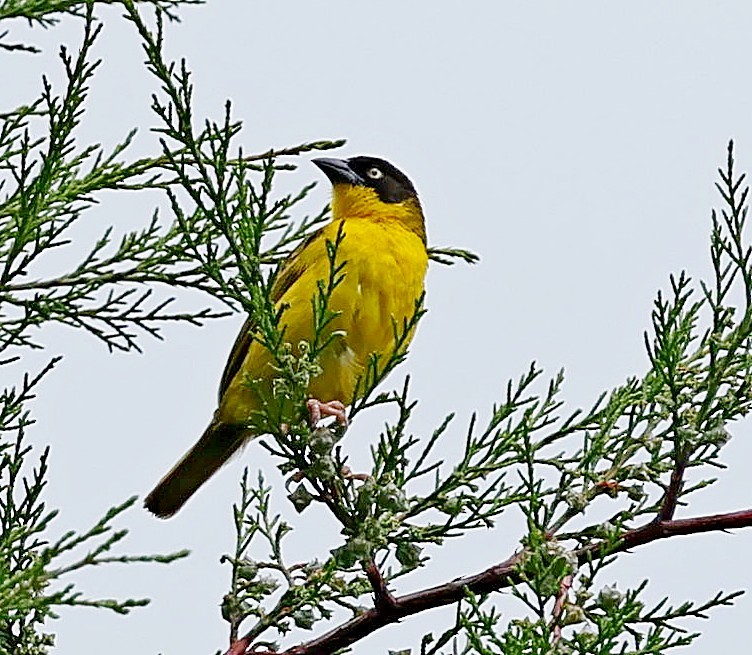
237 355
291 270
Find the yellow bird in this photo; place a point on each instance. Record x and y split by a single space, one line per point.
384 251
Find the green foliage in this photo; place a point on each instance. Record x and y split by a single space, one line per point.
35 574
607 622
48 184
47 13
301 594
111 292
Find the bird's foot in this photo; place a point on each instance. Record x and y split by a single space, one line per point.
347 474
335 408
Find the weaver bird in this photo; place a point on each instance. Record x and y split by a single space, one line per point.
383 247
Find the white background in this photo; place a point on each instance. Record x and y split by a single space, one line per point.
572 145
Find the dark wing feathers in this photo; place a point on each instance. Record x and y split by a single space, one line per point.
237 355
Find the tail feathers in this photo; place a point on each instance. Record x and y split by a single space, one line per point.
214 448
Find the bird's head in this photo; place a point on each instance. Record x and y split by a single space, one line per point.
373 189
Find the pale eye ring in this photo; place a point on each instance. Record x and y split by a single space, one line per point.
374 173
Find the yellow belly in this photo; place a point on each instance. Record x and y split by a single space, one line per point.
384 276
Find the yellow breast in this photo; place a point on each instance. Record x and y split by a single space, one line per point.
385 264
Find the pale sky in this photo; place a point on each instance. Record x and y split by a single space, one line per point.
574 146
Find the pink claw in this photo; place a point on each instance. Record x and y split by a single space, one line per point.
335 408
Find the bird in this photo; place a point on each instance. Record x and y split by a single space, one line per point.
377 213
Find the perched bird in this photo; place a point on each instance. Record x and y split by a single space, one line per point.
384 251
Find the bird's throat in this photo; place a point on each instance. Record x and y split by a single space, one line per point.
358 202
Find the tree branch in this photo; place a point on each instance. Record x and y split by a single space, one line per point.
671 498
677 527
383 599
499 576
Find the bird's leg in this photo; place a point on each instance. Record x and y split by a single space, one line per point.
335 408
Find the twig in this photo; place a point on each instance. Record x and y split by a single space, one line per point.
561 599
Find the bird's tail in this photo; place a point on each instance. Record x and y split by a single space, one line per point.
213 449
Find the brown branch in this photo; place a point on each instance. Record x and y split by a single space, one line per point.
677 527
671 498
383 599
241 646
502 575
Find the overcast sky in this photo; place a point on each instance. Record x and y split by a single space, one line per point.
574 146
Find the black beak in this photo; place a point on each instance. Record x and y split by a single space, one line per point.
338 171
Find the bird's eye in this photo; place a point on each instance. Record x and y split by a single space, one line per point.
374 173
